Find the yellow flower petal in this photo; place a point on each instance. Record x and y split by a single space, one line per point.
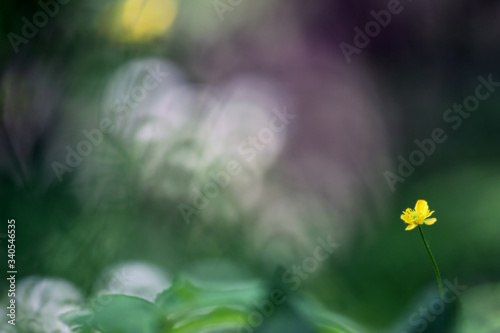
430 221
422 207
411 226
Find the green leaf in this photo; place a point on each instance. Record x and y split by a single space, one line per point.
118 314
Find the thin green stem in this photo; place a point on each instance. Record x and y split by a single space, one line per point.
436 269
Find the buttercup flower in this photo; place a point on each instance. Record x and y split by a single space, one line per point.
418 216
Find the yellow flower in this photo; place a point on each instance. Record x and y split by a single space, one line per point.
138 21
418 216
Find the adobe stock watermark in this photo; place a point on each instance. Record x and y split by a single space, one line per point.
123 107
222 6
372 29
453 116
420 319
29 30
292 279
247 149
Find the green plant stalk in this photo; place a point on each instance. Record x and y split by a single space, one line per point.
436 269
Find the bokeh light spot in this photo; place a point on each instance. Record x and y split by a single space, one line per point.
143 20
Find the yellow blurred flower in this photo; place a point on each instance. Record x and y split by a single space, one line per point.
417 216
133 21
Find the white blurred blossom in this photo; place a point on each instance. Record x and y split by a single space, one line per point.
39 303
134 279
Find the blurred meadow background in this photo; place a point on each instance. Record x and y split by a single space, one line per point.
242 165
